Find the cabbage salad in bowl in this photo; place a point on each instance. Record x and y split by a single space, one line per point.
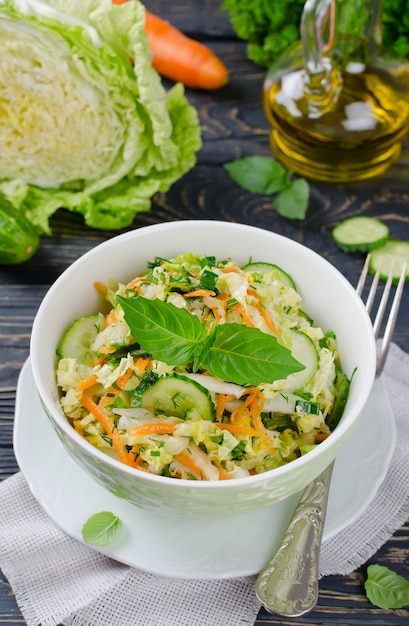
202 370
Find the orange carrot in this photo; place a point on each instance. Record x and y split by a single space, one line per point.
186 460
199 292
181 58
243 312
142 362
237 429
105 422
87 382
101 288
321 436
263 311
223 475
111 318
222 398
163 428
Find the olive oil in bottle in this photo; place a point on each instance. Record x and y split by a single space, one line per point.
340 112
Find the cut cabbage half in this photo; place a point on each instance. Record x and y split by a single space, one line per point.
81 126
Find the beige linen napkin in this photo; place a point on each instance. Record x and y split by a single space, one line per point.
59 580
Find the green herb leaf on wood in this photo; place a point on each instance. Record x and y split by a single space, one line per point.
293 201
266 176
101 528
258 174
385 588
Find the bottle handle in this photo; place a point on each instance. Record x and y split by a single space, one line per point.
317 36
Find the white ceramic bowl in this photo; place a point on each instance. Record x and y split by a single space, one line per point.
328 298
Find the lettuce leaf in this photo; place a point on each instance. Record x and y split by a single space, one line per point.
82 127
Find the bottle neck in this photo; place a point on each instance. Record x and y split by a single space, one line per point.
348 28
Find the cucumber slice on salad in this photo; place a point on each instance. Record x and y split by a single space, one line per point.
77 340
390 258
303 349
178 396
265 268
360 234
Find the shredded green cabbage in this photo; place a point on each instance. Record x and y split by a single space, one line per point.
252 429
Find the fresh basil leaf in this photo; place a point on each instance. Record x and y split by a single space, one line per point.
168 333
248 356
385 588
259 174
101 529
293 201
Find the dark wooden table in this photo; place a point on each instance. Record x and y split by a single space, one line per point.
233 126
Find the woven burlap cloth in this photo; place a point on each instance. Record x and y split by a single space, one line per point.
59 580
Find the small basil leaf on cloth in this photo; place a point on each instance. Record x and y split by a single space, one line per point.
101 528
385 588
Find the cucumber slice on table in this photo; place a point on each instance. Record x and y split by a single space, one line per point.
303 349
265 268
77 340
360 234
392 256
178 396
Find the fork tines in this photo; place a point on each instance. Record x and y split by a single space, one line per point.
393 312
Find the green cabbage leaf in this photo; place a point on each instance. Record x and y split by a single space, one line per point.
85 121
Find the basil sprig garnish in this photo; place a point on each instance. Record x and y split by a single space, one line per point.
233 352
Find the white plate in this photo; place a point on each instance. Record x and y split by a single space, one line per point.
174 547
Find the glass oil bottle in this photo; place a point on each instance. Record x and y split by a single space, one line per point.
338 107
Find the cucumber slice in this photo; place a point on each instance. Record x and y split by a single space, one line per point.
77 340
360 234
178 396
390 257
303 349
259 267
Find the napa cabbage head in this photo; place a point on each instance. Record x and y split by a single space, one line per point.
85 122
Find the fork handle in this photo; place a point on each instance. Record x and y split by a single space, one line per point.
288 584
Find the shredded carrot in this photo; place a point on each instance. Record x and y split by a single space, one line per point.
111 318
139 464
101 288
216 313
321 436
105 422
266 318
134 284
186 460
142 362
263 311
237 429
122 380
222 398
163 428
199 292
237 270
223 475
243 312
87 382
242 413
107 349
152 429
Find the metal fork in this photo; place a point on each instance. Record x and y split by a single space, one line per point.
288 584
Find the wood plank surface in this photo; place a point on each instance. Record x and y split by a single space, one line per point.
233 126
